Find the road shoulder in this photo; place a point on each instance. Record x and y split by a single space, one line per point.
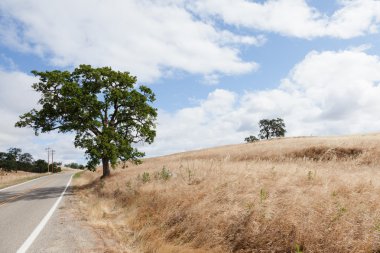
66 231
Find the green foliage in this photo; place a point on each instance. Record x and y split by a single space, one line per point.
270 128
310 175
41 166
299 248
25 158
251 139
14 154
377 227
263 195
14 159
101 106
55 168
75 166
77 175
145 177
164 174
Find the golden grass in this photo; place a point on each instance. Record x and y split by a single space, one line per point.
307 194
11 178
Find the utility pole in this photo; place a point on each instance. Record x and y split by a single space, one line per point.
52 160
48 151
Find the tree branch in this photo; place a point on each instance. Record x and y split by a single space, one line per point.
115 112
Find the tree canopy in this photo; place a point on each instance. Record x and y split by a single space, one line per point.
101 106
271 128
251 139
15 160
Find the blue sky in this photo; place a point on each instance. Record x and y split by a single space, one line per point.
216 66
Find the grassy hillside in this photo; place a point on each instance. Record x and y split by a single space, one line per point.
286 195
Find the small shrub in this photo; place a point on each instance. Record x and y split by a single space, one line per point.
191 180
145 177
251 139
377 227
189 176
165 174
263 195
299 248
310 175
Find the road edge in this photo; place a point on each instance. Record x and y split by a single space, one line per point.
32 237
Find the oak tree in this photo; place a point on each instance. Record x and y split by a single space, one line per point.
102 107
251 139
271 128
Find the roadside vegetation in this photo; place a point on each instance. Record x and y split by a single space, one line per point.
279 195
8 178
15 160
75 166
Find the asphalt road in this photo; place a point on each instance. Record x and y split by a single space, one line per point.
24 209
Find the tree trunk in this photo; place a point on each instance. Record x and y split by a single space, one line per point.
106 167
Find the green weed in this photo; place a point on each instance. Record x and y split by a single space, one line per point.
145 177
263 195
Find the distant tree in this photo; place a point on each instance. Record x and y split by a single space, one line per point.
56 167
3 156
15 160
40 166
72 165
251 139
278 127
101 106
7 162
14 154
75 166
25 162
265 129
11 159
271 128
26 158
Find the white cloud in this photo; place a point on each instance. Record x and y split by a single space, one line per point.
295 17
145 37
326 93
16 98
331 92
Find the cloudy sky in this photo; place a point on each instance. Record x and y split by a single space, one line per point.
216 66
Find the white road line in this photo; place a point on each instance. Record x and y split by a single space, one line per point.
25 246
6 188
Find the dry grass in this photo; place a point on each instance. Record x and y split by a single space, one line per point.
305 194
11 178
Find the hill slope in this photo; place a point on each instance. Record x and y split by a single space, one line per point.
306 194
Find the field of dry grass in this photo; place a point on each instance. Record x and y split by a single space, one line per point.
11 178
286 195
